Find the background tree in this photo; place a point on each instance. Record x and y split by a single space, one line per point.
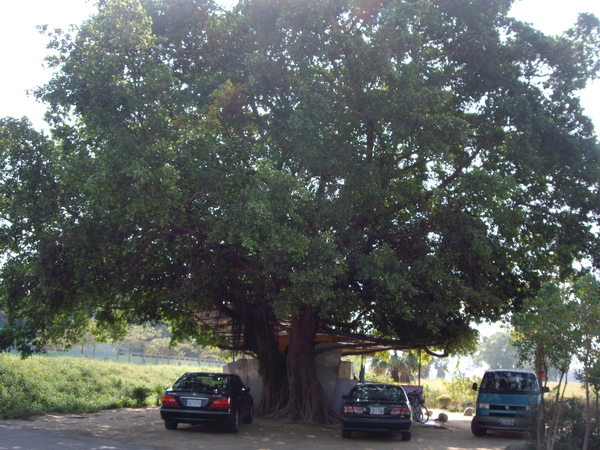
142 339
402 367
441 367
394 169
93 336
496 352
546 336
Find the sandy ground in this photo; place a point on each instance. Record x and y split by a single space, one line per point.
144 427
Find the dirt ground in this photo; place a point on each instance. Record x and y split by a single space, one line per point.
144 427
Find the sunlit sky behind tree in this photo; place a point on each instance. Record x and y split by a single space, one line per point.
24 47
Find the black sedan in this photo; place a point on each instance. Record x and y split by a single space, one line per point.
376 407
207 398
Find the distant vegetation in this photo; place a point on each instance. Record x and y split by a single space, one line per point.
40 384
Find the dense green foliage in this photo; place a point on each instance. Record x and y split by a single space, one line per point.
40 384
395 169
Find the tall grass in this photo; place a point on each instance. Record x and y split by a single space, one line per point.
40 384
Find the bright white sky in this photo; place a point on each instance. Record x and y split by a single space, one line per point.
24 48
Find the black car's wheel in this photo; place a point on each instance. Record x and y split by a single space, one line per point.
406 436
476 429
346 433
170 425
234 427
250 417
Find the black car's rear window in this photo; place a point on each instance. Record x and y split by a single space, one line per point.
202 382
378 393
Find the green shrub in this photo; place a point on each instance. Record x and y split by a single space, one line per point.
572 424
139 394
460 389
159 389
444 400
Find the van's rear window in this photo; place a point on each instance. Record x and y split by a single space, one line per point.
510 382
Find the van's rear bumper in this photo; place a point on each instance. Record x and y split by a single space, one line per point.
505 422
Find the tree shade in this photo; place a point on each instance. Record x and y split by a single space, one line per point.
394 169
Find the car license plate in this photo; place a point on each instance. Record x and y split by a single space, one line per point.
507 422
195 402
376 410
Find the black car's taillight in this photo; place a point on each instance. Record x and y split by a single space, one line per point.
169 400
221 402
351 409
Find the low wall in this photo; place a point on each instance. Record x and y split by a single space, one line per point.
247 369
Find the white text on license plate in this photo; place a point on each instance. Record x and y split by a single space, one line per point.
507 422
376 410
194 402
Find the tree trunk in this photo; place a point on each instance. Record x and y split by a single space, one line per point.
557 409
291 388
540 366
307 400
588 412
271 364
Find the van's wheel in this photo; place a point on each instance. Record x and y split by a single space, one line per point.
476 429
406 436
346 434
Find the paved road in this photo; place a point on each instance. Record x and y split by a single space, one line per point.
129 429
14 437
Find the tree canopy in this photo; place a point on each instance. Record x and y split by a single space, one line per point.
399 169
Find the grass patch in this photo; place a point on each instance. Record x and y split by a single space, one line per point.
574 389
38 384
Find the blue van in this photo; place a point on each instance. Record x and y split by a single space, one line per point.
507 400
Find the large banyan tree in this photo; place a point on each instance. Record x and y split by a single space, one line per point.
398 170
